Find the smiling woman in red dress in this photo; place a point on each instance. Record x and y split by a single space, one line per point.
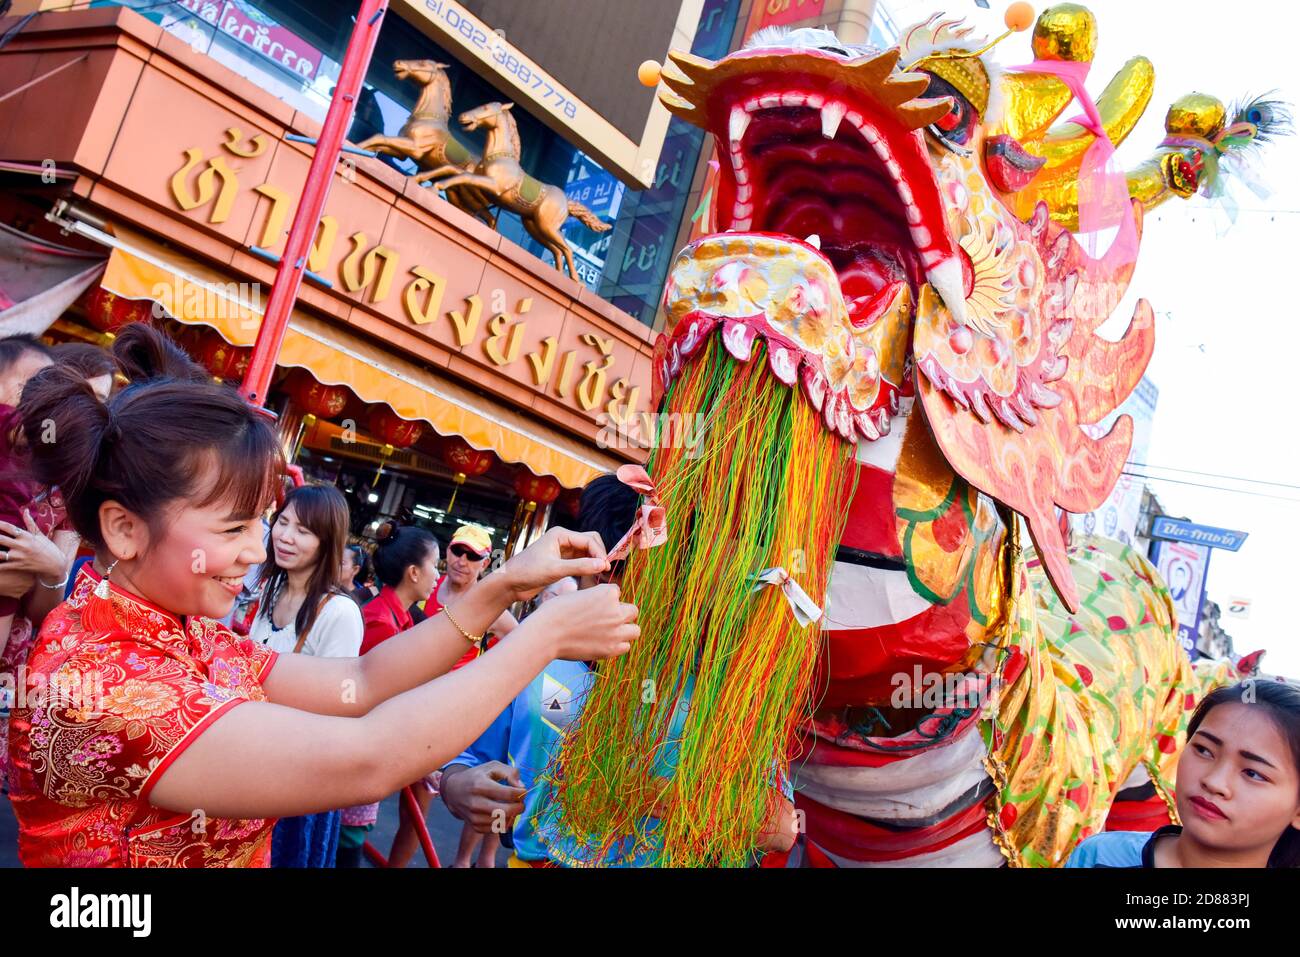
149 735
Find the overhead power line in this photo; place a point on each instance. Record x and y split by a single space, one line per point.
1217 488
1218 475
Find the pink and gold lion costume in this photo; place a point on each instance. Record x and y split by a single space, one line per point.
889 350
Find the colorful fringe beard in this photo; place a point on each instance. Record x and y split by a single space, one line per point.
764 486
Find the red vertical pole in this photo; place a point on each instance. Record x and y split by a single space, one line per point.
289 273
417 821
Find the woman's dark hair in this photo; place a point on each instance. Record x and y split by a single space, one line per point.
608 507
142 352
167 437
1281 703
400 547
324 511
90 361
361 559
13 348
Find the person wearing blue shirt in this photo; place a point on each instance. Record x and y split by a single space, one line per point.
1120 848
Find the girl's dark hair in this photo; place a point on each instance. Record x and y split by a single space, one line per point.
90 361
1281 702
400 547
13 348
324 511
607 506
167 437
142 352
360 558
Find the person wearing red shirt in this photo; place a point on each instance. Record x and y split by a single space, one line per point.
406 565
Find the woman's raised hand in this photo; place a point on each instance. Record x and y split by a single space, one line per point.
31 550
587 625
556 554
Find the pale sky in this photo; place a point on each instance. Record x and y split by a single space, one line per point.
1227 358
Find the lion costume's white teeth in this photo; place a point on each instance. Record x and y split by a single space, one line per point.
740 118
832 113
813 240
946 278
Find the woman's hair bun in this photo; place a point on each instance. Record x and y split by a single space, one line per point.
172 435
65 424
399 547
145 352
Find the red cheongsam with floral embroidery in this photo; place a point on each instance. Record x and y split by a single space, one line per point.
127 687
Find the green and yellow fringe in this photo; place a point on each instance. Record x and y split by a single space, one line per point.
765 485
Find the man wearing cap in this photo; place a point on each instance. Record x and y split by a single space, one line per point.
467 557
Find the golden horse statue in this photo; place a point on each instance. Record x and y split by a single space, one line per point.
426 139
542 206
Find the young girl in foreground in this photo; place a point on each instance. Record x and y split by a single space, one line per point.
165 740
1238 789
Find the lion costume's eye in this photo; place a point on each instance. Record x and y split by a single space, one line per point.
955 128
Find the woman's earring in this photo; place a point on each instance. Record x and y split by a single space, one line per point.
101 590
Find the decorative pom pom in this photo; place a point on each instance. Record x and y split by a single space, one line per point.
1019 17
648 73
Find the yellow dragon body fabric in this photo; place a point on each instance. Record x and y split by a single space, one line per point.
888 355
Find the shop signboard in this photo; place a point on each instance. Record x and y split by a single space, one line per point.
255 30
488 51
1184 567
1179 530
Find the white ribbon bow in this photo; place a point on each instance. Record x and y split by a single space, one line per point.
805 609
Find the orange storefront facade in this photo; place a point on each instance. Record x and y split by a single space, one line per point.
185 176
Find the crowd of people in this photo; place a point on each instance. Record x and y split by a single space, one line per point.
263 683
164 482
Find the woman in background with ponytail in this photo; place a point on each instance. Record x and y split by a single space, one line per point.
406 565
164 739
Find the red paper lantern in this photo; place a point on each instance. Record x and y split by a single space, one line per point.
109 312
465 459
220 358
570 501
393 429
316 398
541 489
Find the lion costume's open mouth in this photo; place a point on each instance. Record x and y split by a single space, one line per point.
832 224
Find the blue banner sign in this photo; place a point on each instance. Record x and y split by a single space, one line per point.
1177 530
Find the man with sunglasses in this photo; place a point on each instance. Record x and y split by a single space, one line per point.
467 558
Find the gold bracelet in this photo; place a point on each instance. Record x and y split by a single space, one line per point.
475 640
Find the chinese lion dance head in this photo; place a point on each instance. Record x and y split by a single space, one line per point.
887 351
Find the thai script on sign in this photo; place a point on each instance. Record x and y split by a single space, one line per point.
259 32
373 273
